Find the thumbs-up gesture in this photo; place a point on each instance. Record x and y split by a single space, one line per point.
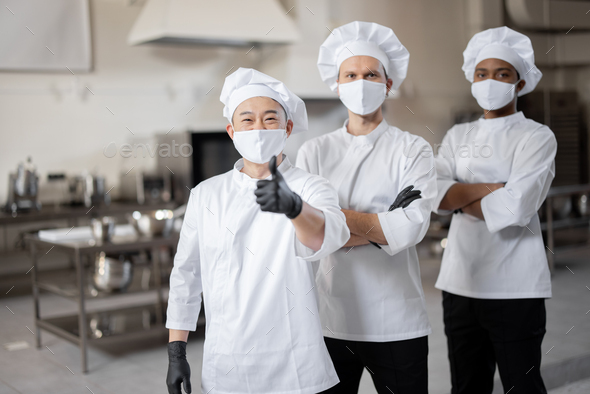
275 196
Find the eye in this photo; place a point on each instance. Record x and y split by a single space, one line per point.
246 120
350 76
372 75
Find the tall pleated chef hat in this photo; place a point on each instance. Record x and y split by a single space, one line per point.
363 39
246 83
505 44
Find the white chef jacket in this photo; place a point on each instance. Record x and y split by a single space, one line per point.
504 256
366 293
263 333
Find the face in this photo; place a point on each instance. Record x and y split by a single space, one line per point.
499 70
259 113
363 67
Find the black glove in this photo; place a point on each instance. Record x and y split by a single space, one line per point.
275 195
403 199
178 369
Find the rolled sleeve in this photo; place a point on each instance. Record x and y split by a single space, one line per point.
184 302
321 195
533 171
406 227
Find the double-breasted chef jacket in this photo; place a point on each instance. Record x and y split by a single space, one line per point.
366 293
502 257
263 333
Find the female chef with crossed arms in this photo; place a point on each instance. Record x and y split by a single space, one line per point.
494 272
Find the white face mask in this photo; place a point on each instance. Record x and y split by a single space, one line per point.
362 97
491 94
259 146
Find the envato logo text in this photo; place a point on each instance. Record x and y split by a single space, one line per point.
462 151
161 150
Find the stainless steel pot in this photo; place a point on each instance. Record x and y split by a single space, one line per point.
112 274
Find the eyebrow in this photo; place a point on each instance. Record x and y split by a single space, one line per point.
271 111
497 69
366 70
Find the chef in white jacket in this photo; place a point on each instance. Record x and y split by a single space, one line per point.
246 243
495 173
371 298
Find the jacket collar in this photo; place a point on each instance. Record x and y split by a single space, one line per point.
503 122
368 139
245 180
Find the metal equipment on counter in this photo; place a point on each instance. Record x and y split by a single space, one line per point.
147 188
103 228
88 190
23 189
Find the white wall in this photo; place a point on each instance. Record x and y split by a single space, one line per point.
65 127
150 89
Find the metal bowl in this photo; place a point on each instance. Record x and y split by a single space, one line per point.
111 274
152 223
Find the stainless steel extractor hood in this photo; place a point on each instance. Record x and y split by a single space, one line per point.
218 22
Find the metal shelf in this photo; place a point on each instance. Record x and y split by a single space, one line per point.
63 282
102 324
567 222
76 283
551 225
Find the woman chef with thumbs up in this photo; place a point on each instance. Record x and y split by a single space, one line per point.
246 243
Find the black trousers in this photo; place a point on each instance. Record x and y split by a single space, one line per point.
482 333
399 367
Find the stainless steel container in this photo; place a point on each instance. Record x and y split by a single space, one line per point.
103 228
112 274
152 223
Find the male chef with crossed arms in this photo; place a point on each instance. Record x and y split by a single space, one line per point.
246 243
371 299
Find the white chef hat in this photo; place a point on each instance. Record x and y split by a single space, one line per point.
246 83
363 39
505 44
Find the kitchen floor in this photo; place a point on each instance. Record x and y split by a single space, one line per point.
140 366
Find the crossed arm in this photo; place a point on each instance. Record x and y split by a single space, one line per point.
364 227
467 197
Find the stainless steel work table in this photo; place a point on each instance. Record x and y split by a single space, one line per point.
74 283
72 213
551 224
